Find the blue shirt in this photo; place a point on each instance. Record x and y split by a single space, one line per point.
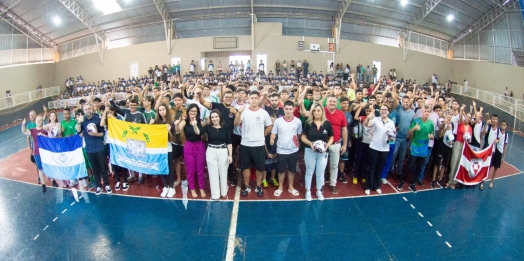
93 144
404 121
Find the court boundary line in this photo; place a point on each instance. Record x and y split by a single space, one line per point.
230 250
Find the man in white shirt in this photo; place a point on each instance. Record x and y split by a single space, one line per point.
256 125
288 128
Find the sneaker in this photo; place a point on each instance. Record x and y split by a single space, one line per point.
433 184
233 182
140 180
441 183
308 196
384 181
379 191
367 191
131 179
420 183
320 196
413 188
39 182
117 186
355 181
400 185
55 184
125 187
44 188
164 192
333 189
171 192
259 191
245 191
73 183
98 191
109 190
342 178
274 182
264 183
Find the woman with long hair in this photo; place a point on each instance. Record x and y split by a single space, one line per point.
194 150
53 128
218 154
164 117
317 134
383 133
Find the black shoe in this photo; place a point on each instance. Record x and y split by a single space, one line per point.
441 183
44 188
39 182
413 188
342 178
420 183
233 182
400 185
433 184
245 191
333 189
55 184
259 191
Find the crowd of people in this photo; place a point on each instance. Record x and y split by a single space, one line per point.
341 126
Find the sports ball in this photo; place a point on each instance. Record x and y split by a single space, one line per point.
392 134
319 146
467 136
449 138
53 133
91 128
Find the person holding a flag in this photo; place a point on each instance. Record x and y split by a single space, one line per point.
33 133
500 150
463 135
95 147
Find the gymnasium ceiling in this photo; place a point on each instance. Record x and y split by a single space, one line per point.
140 21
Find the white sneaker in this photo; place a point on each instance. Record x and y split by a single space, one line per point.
379 191
117 186
384 181
125 187
320 196
367 191
308 195
171 192
164 192
109 190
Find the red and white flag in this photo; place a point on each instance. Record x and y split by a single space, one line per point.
474 165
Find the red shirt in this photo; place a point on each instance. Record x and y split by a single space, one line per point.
461 130
338 121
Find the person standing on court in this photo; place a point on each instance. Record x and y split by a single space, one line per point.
340 139
95 147
288 129
256 125
38 130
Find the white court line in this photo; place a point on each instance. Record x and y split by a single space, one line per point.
64 211
412 206
36 237
430 224
438 233
405 199
233 227
420 214
72 204
448 244
55 219
13 139
393 187
46 227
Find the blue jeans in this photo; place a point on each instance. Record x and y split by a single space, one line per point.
421 174
401 148
374 78
367 77
387 166
315 162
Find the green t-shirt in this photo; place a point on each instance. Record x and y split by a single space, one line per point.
69 127
420 140
149 115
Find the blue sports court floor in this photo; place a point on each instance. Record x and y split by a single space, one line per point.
441 224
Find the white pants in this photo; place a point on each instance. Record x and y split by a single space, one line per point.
334 157
217 168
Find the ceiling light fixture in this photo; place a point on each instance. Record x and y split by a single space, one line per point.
57 20
450 18
404 2
107 6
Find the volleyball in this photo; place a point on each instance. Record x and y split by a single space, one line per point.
91 128
449 138
319 146
467 136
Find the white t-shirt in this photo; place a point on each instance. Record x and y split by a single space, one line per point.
253 125
455 120
492 135
502 141
379 138
287 132
237 129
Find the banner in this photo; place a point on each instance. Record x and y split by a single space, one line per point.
474 166
138 147
62 158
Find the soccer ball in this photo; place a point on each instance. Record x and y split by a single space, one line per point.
319 146
91 128
467 136
449 138
53 133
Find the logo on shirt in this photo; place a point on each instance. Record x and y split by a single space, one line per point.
324 132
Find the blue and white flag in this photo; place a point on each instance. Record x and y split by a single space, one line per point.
62 158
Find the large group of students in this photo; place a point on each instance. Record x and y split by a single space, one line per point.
341 127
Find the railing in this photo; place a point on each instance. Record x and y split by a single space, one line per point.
17 99
507 104
73 101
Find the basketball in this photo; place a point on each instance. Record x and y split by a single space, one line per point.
91 128
319 146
